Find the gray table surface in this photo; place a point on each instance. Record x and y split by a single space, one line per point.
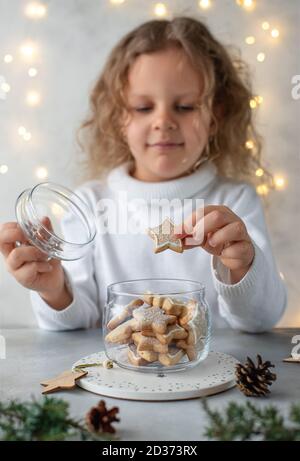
33 355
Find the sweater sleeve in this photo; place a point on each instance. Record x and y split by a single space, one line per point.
257 302
83 312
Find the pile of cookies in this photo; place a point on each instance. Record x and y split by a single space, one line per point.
159 329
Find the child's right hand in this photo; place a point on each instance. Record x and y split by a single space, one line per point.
29 265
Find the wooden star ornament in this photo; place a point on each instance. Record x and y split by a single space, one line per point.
163 236
65 380
292 359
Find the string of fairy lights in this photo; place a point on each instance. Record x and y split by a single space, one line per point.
29 51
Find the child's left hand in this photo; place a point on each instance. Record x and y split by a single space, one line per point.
222 233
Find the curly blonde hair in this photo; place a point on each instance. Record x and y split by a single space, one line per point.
227 92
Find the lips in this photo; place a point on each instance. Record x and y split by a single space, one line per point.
166 144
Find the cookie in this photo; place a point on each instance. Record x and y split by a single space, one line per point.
152 318
148 297
149 333
173 307
188 312
149 356
122 333
173 332
173 356
134 358
144 343
157 301
190 350
163 236
124 313
194 322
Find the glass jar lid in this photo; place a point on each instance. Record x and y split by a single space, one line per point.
73 225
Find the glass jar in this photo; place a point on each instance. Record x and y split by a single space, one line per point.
156 325
73 225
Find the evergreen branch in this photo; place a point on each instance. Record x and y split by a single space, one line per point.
248 422
43 420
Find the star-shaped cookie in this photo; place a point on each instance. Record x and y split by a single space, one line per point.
163 236
152 318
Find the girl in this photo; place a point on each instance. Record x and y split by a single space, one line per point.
170 117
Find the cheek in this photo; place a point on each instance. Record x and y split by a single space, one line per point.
136 138
135 131
195 130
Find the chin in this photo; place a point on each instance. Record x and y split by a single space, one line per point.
167 174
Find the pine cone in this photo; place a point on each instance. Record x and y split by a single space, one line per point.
254 380
99 419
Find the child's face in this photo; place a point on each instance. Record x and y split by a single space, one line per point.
162 93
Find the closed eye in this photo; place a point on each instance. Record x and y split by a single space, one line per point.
185 108
142 109
178 108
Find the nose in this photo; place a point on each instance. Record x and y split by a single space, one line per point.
163 121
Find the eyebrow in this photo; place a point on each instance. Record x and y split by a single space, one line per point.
189 93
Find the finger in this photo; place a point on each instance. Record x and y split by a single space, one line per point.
24 254
44 229
29 272
197 238
215 220
205 229
8 225
187 226
47 223
190 242
217 211
234 231
239 250
8 238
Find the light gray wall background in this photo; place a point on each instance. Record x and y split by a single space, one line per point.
73 41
